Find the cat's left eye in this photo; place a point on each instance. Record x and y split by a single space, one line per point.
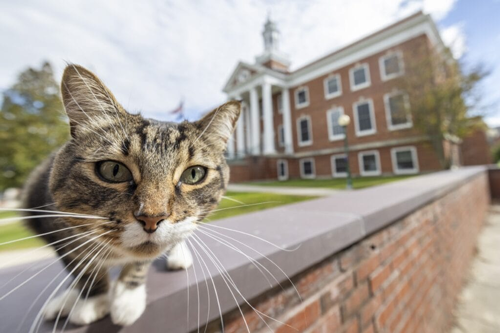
193 175
113 172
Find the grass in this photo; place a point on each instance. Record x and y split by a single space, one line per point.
337 183
256 201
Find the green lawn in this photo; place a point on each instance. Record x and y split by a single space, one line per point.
255 202
337 183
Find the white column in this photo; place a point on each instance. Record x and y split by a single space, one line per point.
247 128
287 121
254 115
240 134
267 104
230 147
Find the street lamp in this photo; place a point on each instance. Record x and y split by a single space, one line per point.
344 121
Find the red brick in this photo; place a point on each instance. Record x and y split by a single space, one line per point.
378 277
369 329
368 311
355 300
302 320
367 267
352 326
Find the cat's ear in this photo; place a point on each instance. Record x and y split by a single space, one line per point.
86 99
218 125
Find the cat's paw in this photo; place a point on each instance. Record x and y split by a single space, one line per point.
62 303
89 310
179 257
127 305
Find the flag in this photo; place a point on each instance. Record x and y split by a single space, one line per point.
179 111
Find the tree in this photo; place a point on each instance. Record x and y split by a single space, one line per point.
32 124
443 96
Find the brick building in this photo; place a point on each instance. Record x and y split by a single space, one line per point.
289 126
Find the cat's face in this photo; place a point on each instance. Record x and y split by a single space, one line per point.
151 180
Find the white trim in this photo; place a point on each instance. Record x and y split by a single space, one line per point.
414 156
336 174
285 162
296 94
279 103
371 131
331 136
313 167
299 138
381 63
281 136
367 83
362 172
329 95
388 113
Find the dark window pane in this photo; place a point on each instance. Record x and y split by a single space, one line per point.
307 166
333 85
302 97
404 160
391 65
359 76
282 171
399 114
336 128
282 135
340 165
304 130
369 163
364 120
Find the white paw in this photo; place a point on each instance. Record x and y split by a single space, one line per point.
127 305
62 303
90 310
179 257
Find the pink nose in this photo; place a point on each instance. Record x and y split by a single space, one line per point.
150 223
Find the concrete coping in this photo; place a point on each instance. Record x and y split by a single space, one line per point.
283 241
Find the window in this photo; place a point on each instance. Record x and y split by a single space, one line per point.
391 66
397 110
301 97
360 77
333 87
364 117
304 131
281 136
404 160
335 131
282 169
280 103
339 166
369 163
307 168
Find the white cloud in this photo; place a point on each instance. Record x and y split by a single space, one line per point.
454 37
151 54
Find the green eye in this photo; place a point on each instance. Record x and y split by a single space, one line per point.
193 175
113 172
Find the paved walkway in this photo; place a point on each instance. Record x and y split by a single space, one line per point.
19 257
479 308
282 190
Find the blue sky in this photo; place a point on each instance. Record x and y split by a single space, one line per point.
154 53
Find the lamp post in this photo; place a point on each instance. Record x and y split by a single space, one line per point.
344 121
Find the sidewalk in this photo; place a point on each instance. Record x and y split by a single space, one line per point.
479 308
282 190
19 257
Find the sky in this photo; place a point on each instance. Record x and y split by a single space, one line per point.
153 54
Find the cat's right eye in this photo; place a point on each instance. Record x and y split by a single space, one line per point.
113 172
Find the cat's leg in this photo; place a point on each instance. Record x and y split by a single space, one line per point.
179 257
83 306
128 295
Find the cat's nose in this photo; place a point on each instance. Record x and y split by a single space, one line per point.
150 223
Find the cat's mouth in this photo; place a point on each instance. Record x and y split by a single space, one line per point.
147 248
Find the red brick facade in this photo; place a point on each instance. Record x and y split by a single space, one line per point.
403 278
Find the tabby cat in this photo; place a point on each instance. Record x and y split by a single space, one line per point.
137 187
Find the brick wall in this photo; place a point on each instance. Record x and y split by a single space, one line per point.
403 278
475 149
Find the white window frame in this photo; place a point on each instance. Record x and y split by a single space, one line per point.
362 172
367 74
279 103
336 174
339 84
281 137
285 162
414 155
313 166
371 131
296 93
388 114
332 136
299 136
381 63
